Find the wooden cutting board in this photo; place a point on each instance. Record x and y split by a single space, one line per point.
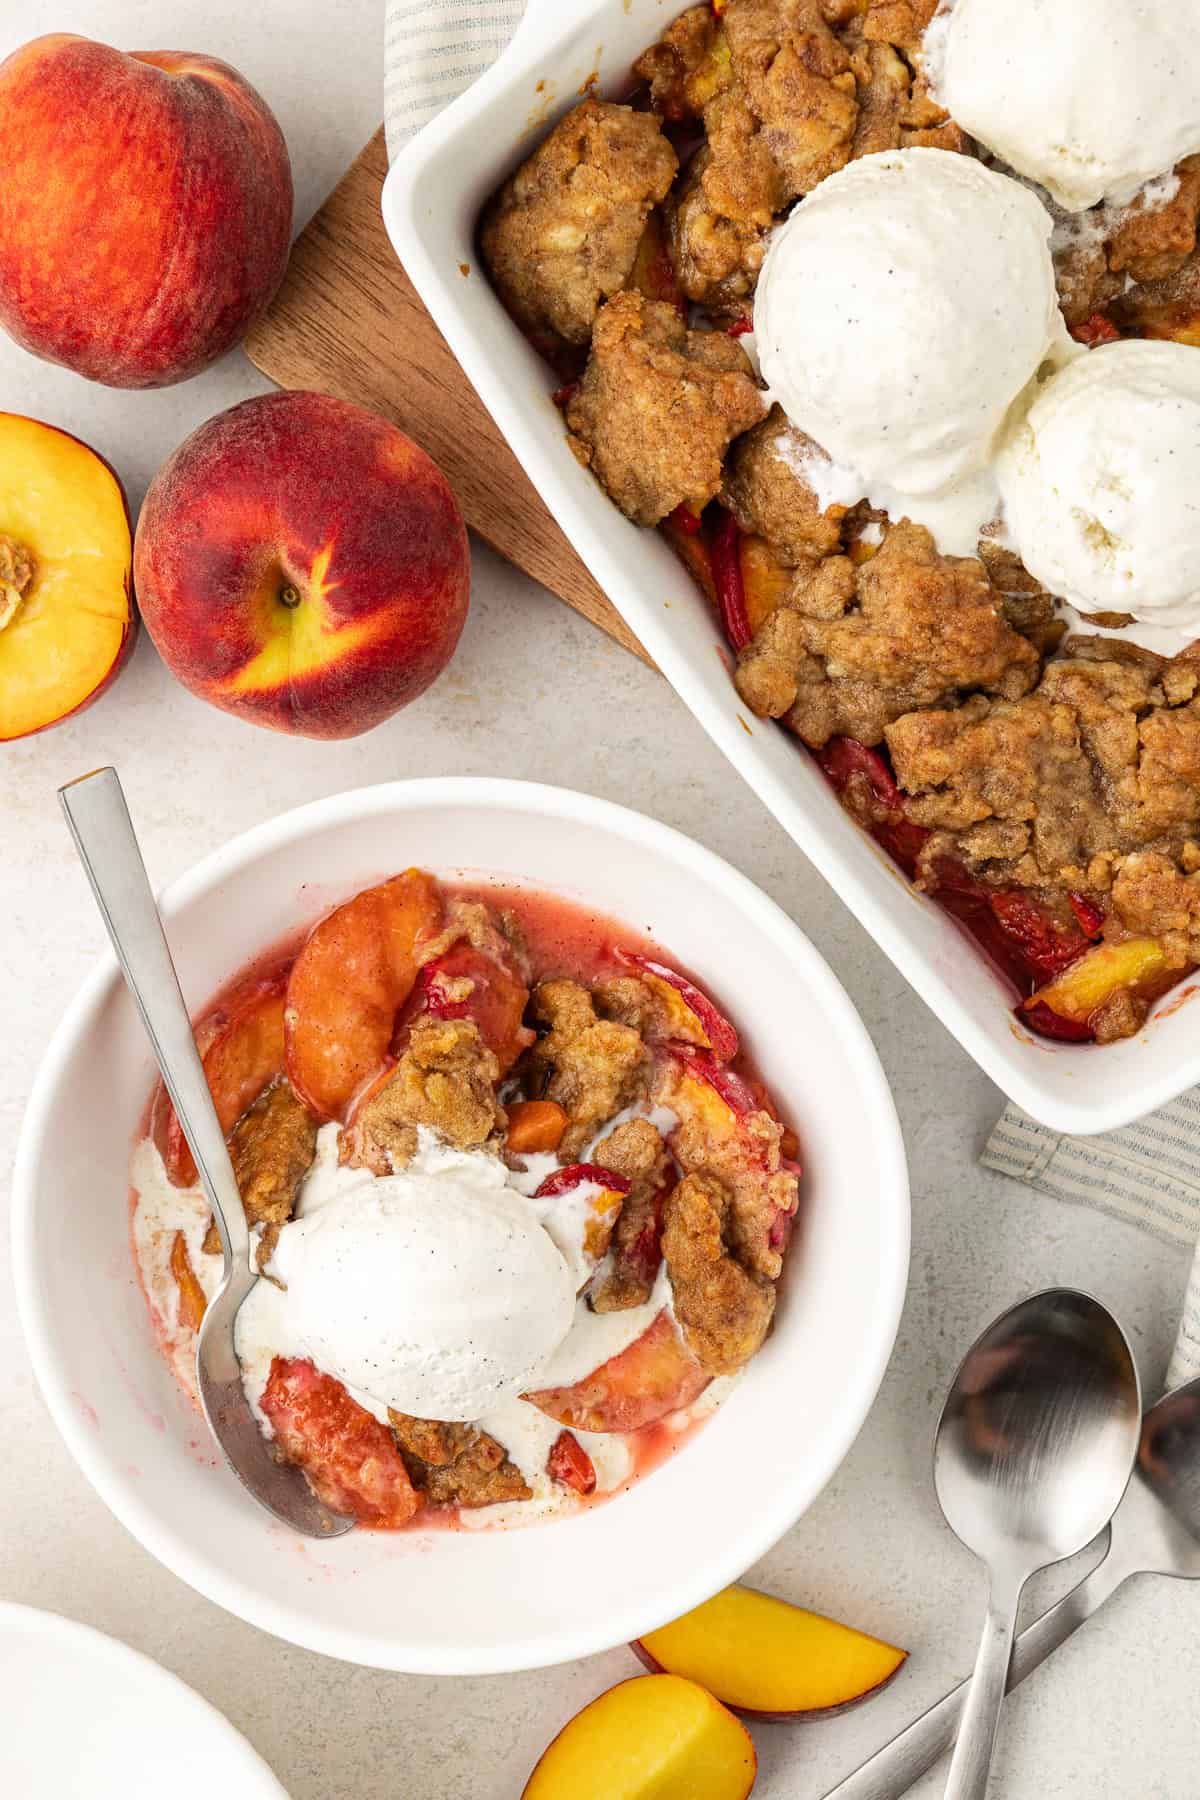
348 321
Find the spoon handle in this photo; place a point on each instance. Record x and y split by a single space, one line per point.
894 1768
104 837
972 1758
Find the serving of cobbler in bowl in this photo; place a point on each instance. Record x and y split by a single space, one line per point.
578 1202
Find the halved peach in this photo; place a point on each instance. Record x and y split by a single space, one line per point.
1098 974
770 1660
67 621
656 1737
348 983
690 1015
656 1375
241 1046
466 983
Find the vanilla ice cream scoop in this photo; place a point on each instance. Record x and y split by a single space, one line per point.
1091 98
901 310
1101 483
435 1290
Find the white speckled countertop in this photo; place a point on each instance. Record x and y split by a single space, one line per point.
1115 1715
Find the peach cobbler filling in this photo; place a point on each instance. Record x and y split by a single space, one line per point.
1042 784
476 1085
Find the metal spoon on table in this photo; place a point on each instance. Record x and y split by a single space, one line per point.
1034 1450
1155 1531
104 836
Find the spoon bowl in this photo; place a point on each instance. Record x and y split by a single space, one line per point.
99 820
1034 1450
1037 1438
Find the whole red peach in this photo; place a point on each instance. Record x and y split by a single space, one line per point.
145 208
304 564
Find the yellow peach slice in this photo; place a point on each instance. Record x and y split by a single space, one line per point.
656 1737
770 1660
1098 974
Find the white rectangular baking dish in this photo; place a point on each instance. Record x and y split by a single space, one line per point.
431 203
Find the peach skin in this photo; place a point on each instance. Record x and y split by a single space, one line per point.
769 1660
67 621
146 208
303 564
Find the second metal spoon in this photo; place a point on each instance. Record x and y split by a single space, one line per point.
1034 1450
104 836
1155 1531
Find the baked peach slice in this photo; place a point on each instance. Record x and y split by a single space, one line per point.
347 985
1082 988
689 1014
656 1737
535 1127
569 1464
193 1301
735 1125
769 1660
67 620
765 580
657 1374
466 983
241 1047
350 1460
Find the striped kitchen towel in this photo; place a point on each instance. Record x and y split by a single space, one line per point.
433 51
1147 1174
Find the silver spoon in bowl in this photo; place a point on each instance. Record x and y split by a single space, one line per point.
104 837
1034 1449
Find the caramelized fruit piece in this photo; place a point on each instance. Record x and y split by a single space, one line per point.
691 1016
656 1737
861 778
241 1046
1098 974
716 1099
653 272
688 538
350 1459
1095 329
496 1000
569 1463
656 1375
727 575
347 985
770 1660
192 1301
765 581
535 1127
603 1207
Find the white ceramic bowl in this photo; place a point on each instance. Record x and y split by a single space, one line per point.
431 205
471 1602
